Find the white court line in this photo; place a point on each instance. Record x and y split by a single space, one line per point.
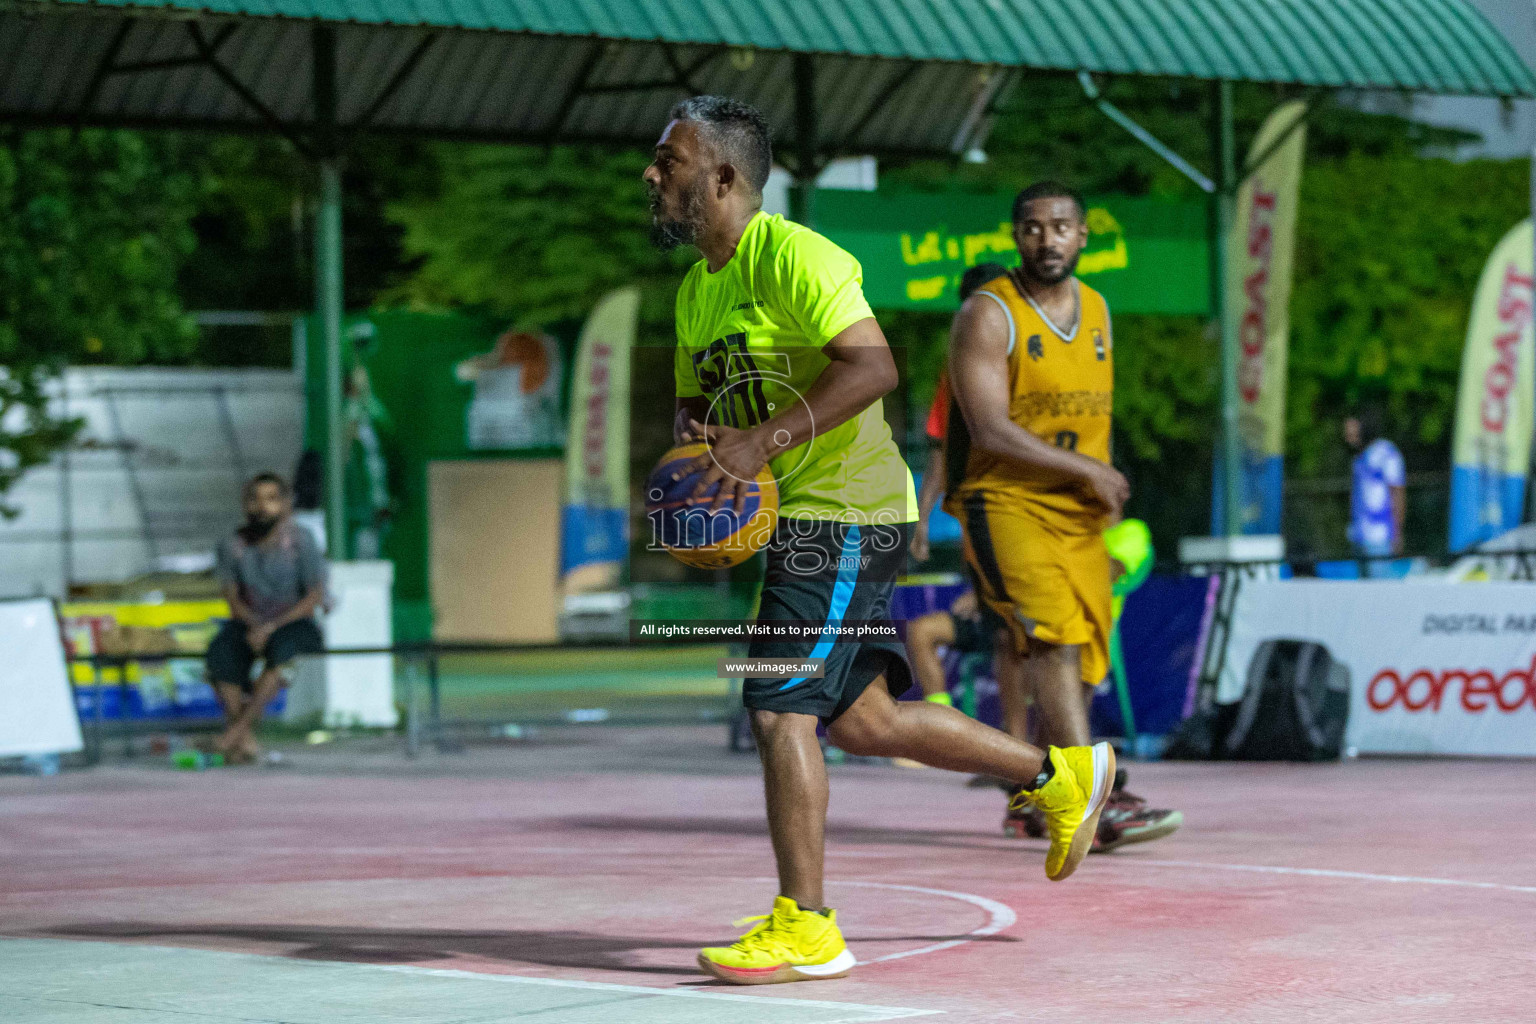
889 1012
1000 915
868 1014
1364 876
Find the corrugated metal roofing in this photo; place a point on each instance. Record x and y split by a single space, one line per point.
1425 45
891 76
472 85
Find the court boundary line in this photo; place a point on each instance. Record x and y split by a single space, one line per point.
892 1012
1000 916
889 1012
1363 876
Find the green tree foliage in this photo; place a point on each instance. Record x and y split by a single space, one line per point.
93 228
97 231
1167 377
1389 245
1046 128
255 226
250 222
535 233
1388 255
96 225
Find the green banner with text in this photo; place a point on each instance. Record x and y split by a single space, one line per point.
1144 255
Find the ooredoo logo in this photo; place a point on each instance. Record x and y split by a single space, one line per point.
1479 690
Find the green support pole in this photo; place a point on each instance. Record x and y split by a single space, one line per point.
802 194
1231 453
969 668
1122 685
328 305
328 296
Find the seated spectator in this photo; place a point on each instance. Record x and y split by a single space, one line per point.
274 580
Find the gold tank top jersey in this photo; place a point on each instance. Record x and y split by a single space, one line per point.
1062 390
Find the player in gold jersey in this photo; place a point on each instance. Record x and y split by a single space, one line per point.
1031 366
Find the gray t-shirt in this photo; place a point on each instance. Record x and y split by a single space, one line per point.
274 574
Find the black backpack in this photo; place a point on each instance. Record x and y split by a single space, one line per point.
1295 706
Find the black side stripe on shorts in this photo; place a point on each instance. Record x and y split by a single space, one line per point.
981 544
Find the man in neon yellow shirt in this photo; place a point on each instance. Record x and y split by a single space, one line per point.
781 363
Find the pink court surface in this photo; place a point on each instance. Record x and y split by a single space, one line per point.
571 879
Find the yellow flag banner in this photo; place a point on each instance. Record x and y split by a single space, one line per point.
594 525
1494 416
1258 296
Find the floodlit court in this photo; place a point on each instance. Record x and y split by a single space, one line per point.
572 878
472 474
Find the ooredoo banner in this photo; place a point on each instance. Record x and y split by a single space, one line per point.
1434 668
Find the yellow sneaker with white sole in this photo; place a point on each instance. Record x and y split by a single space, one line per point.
789 944
1072 801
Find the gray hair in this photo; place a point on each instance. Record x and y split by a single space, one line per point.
737 130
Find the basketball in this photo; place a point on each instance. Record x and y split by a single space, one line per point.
694 534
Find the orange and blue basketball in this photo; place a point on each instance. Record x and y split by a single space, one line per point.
694 534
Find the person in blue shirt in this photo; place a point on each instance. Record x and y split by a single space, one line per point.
1377 496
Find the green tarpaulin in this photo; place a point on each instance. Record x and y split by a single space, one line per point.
1145 255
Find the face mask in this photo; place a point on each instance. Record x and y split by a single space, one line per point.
257 527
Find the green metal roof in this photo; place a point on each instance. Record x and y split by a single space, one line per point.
1424 45
890 76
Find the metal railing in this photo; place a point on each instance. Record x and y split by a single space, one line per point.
1520 562
420 730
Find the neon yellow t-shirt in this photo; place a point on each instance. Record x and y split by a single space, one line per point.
751 336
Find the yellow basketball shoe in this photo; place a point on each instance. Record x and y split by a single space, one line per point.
1072 801
789 944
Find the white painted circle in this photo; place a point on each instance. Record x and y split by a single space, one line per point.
804 458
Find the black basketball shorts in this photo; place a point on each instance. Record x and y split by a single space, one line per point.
831 573
230 658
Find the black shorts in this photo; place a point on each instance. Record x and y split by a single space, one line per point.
827 572
230 657
975 633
